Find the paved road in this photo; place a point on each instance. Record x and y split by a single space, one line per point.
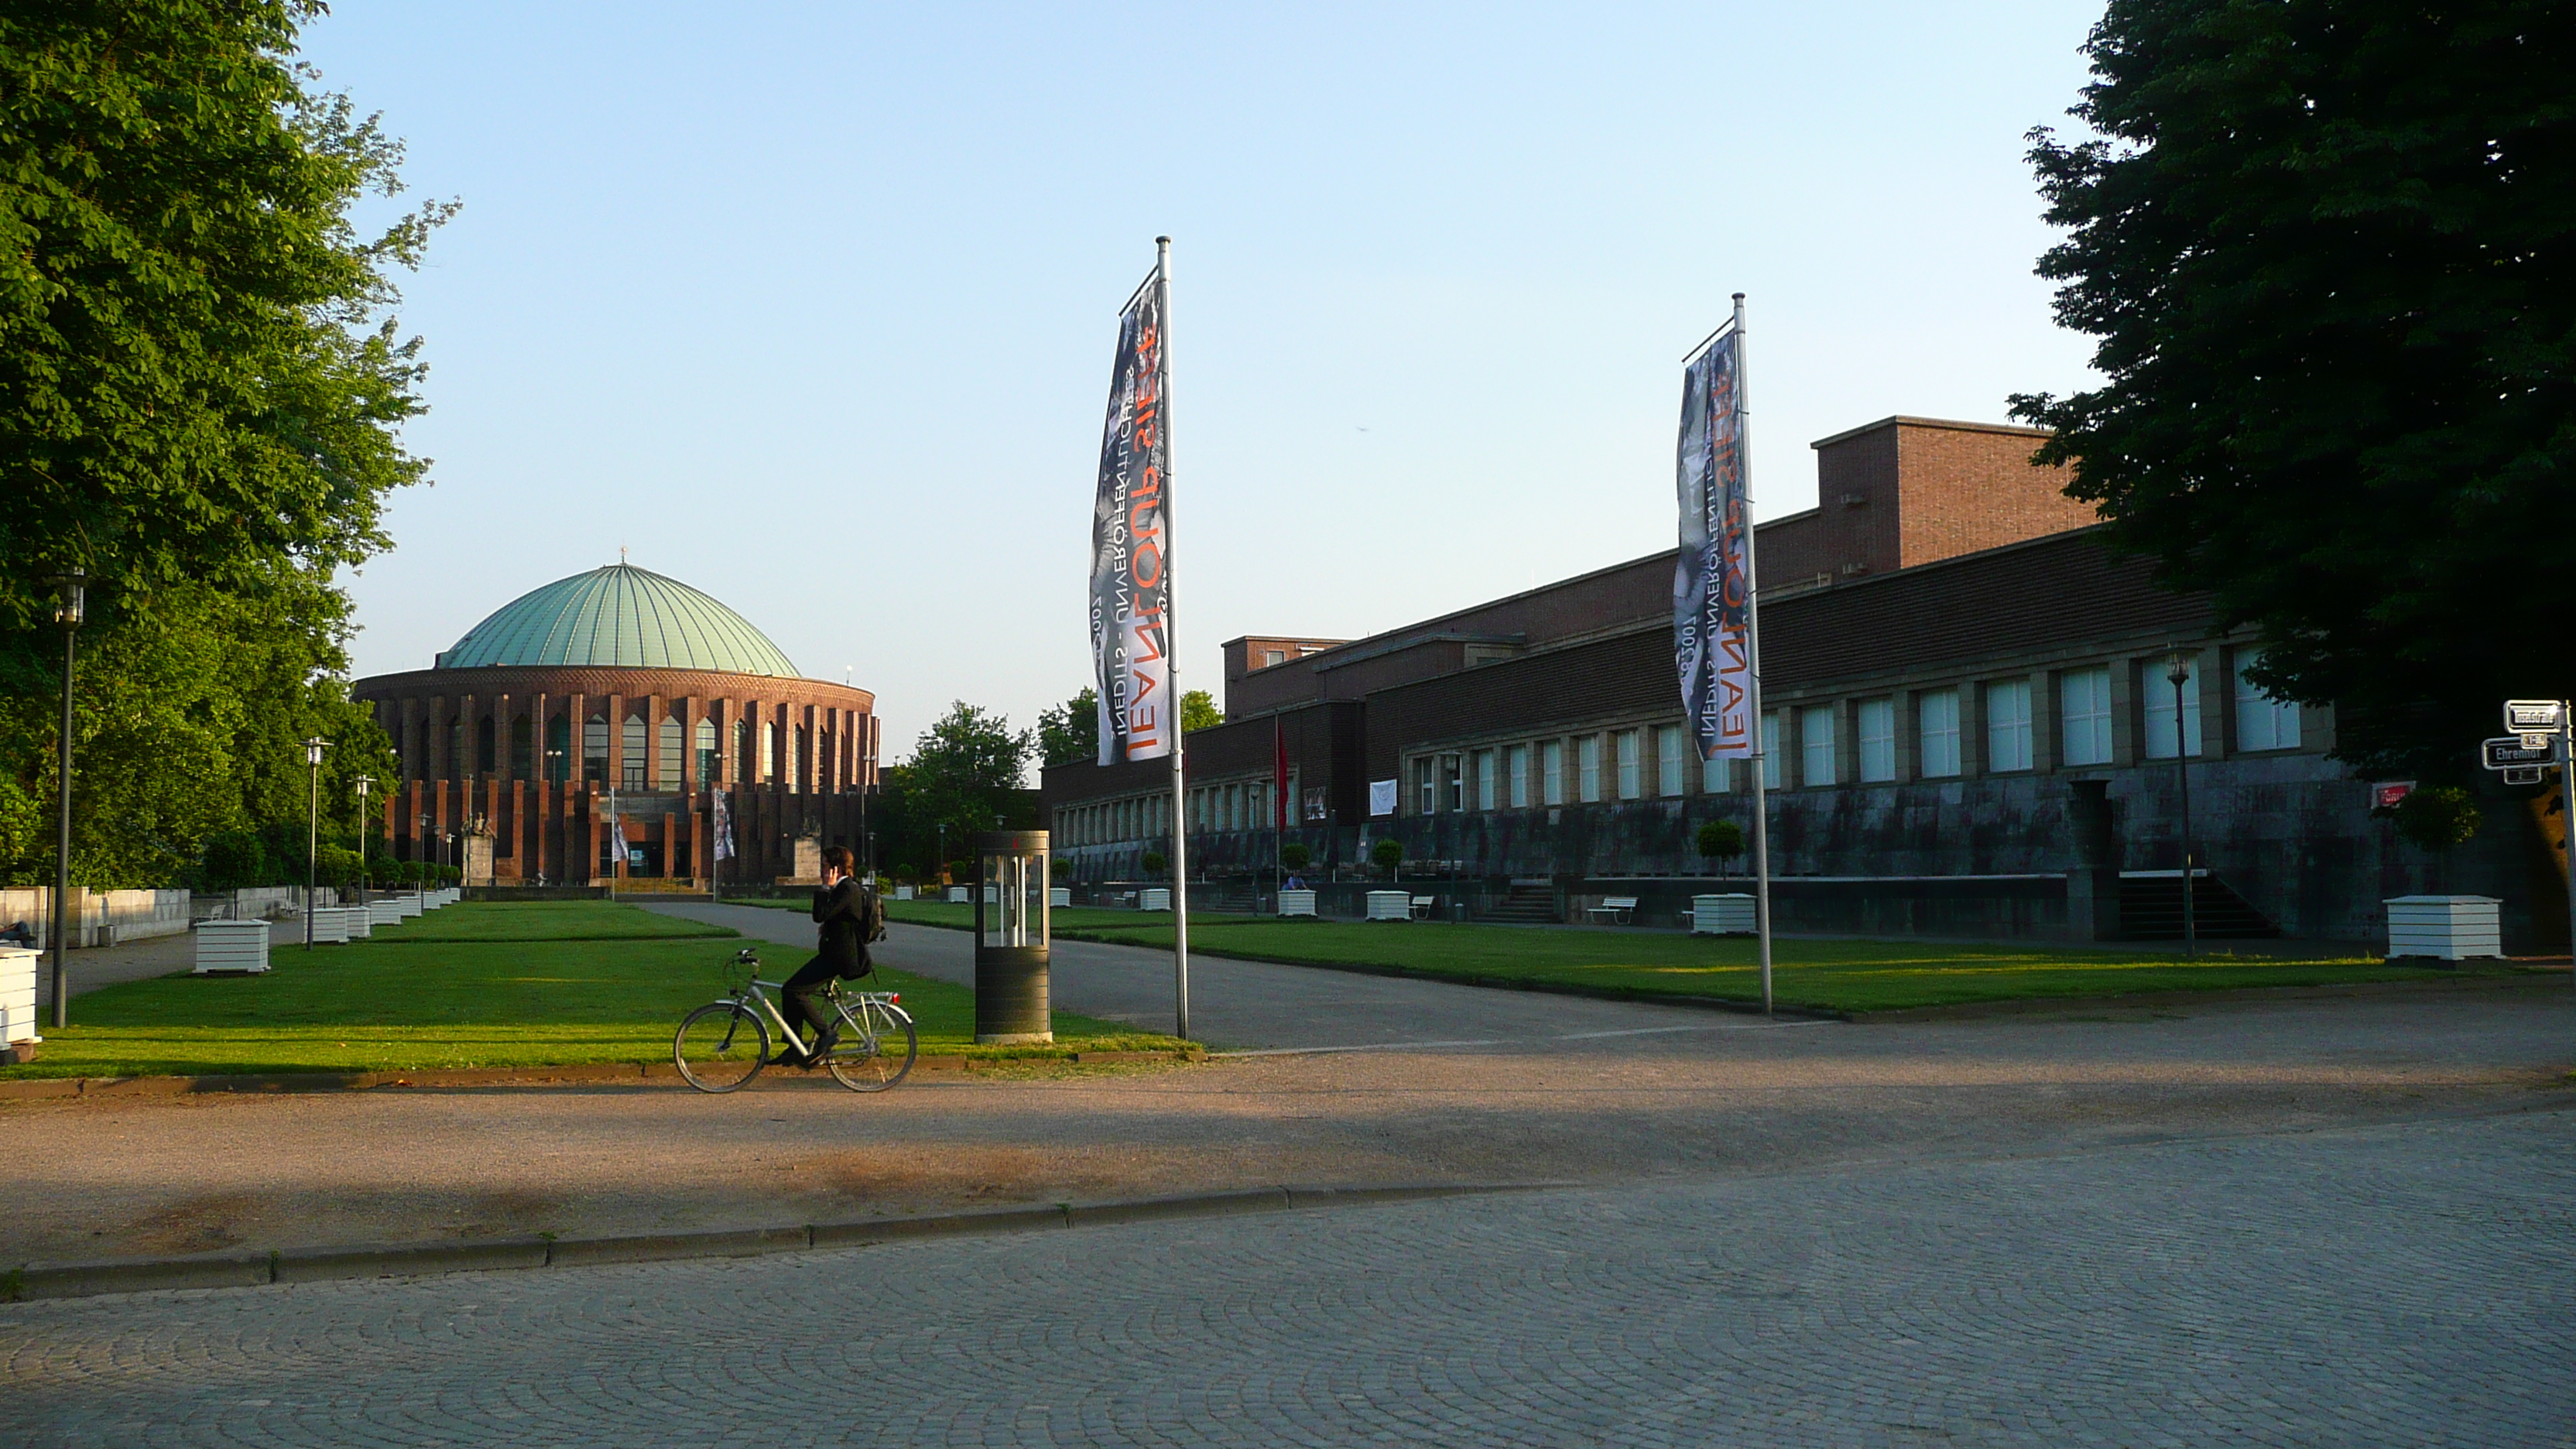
2401 1284
1253 1005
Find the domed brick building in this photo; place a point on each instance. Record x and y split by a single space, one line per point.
620 682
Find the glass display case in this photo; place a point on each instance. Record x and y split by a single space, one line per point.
1011 1006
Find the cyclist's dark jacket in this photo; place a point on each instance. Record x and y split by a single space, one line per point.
837 920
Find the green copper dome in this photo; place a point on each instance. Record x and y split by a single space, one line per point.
619 615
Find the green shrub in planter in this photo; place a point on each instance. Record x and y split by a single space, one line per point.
1295 856
1388 854
1721 840
1154 864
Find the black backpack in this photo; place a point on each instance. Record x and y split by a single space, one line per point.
871 915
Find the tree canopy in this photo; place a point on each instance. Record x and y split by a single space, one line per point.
2329 247
201 390
1069 733
966 770
1199 711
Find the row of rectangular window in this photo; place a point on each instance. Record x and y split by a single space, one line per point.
1499 777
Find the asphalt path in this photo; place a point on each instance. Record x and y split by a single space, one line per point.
1259 1006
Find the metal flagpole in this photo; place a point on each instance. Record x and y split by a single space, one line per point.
1172 656
2567 816
1753 669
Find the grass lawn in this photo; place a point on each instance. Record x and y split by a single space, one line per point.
507 997
542 921
1835 975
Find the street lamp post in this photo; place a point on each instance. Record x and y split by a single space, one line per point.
2178 672
313 749
364 782
70 608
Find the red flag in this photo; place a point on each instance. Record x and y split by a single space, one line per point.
1279 768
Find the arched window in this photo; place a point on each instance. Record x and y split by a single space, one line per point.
523 749
673 741
768 752
594 750
746 769
706 753
559 749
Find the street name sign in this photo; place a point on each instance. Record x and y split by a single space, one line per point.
2509 750
2522 716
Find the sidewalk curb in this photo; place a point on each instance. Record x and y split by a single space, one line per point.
246 1268
2029 1005
37 1088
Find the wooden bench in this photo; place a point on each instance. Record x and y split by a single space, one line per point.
1617 908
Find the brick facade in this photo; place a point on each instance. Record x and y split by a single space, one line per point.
528 755
1942 580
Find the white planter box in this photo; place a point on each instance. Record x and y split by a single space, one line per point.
903 893
225 946
1296 903
1154 898
1730 915
18 994
411 905
1059 895
959 895
358 921
330 924
385 913
1390 905
2446 928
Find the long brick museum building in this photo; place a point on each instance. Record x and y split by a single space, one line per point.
622 683
1969 721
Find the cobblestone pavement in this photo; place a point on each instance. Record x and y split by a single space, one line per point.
2398 1284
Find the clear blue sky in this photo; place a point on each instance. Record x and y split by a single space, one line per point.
811 306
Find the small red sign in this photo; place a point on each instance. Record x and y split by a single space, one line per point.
2385 794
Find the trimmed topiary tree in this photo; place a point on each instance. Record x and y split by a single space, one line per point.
1721 840
1295 856
1388 854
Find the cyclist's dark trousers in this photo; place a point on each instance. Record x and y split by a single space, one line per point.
807 984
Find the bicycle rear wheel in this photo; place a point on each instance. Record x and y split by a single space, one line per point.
720 1046
880 1054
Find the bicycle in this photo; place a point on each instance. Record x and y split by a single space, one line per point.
722 1045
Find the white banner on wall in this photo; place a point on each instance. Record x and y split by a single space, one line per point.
1381 798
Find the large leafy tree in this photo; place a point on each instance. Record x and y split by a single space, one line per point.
966 770
2329 247
200 396
1069 733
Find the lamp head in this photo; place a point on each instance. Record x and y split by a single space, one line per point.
71 599
313 749
2178 669
363 783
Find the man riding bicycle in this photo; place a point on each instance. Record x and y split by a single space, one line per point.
843 910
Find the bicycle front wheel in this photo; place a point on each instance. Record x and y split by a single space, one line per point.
721 1046
878 1055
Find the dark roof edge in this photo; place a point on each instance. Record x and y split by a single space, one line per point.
1955 425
